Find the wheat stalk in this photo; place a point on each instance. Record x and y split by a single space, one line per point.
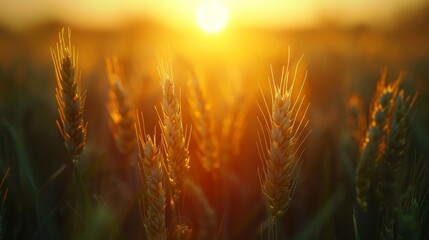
413 208
204 125
205 212
374 145
121 111
173 135
153 180
3 195
69 97
281 143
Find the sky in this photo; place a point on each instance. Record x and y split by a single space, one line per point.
20 14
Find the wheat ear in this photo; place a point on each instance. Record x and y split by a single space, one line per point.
150 165
173 135
374 145
356 118
121 110
69 97
390 172
281 142
203 121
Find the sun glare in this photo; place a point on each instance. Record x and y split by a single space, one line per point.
212 16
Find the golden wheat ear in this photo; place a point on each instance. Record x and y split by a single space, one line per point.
175 140
69 96
374 143
151 171
121 110
204 125
284 129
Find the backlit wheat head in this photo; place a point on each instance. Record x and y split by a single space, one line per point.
374 143
69 96
121 110
390 172
173 135
204 125
151 169
280 145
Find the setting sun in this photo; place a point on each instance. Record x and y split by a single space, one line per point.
212 16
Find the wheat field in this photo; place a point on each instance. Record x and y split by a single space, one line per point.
254 134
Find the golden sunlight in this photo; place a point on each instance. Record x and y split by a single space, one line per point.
211 16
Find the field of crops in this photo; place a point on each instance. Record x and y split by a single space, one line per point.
149 132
